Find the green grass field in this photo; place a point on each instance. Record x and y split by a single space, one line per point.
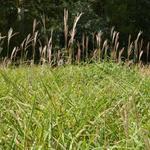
88 107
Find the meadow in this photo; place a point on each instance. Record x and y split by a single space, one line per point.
75 107
89 94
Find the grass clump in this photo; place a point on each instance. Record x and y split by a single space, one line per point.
94 106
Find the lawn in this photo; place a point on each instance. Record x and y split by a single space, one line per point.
83 107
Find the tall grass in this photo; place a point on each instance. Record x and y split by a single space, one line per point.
97 106
90 106
74 50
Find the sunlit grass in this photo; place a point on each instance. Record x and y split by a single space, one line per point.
97 106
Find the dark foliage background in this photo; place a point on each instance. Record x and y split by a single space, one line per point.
128 17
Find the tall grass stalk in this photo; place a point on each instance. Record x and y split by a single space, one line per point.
136 46
99 42
72 34
66 27
148 51
9 36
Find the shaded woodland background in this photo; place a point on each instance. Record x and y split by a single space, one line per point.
128 17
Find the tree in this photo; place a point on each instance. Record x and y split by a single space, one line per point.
129 17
